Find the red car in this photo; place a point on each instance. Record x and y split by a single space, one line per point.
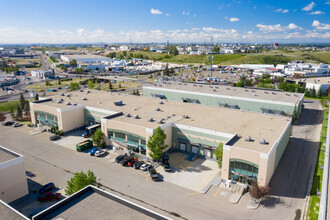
49 196
132 162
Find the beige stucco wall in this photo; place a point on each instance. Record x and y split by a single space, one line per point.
70 118
13 184
41 107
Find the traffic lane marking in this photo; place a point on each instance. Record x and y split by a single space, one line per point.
215 194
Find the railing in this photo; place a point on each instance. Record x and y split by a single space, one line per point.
325 181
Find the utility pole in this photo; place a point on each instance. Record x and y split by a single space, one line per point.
211 64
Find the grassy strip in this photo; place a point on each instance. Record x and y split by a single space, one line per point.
5 106
314 203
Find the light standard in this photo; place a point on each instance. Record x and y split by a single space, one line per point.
211 58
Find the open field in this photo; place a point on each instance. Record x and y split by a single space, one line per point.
5 106
54 84
232 59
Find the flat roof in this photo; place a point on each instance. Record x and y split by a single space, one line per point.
6 155
7 212
252 93
257 125
77 56
93 203
315 80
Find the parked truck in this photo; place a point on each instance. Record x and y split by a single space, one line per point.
82 146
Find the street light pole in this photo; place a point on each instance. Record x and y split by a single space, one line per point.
211 64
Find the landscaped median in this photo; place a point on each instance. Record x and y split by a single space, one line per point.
5 106
314 201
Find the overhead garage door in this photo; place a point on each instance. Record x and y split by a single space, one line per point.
194 149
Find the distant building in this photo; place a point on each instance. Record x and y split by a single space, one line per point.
19 51
13 184
42 74
85 58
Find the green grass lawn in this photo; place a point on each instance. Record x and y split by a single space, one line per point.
314 203
5 106
54 84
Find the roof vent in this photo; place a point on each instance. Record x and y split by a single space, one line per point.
227 88
194 85
255 94
84 98
68 95
185 84
246 90
88 92
161 102
211 86
157 109
118 103
68 103
173 114
186 116
127 115
266 92
99 102
295 95
287 94
160 121
214 90
155 84
62 94
136 117
180 84
263 141
150 119
60 101
80 90
216 87
74 104
273 93
253 91
248 138
134 109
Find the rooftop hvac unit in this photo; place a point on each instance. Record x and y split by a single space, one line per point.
255 94
150 119
185 84
59 101
173 114
253 91
216 87
134 109
214 90
155 84
84 98
266 92
74 104
273 93
246 90
185 116
160 121
194 85
80 90
127 115
99 102
211 86
263 141
161 102
68 103
88 92
68 95
180 84
118 103
157 109
62 94
200 85
295 95
136 117
287 94
248 138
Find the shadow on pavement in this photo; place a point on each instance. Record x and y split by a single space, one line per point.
272 202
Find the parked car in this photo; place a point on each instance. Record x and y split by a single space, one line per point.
167 166
132 162
54 90
67 87
138 164
54 137
146 166
100 152
153 174
29 83
59 88
120 157
92 152
50 196
17 125
47 188
8 123
125 161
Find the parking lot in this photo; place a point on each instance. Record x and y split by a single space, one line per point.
196 175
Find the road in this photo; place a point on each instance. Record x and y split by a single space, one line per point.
51 162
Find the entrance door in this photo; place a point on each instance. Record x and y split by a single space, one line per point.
194 149
183 146
208 153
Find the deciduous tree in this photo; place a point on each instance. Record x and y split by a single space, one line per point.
79 181
156 143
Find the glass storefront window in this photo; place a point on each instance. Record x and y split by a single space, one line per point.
243 171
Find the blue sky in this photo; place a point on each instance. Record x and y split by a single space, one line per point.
89 21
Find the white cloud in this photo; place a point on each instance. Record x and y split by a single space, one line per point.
282 10
234 19
279 10
270 28
285 11
185 13
309 7
195 15
317 13
327 3
156 12
167 14
277 27
195 29
320 26
250 32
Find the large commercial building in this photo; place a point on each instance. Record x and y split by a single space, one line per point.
13 184
316 83
253 142
245 99
85 58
